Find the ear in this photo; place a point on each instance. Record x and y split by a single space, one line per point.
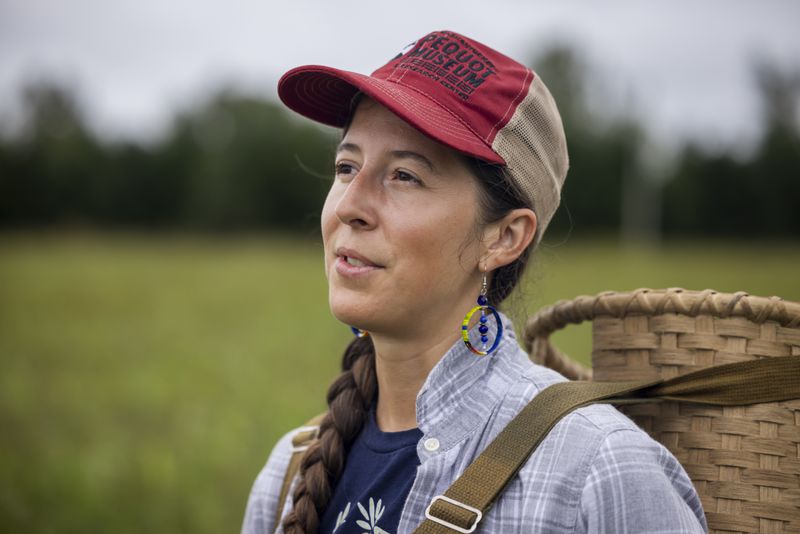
506 239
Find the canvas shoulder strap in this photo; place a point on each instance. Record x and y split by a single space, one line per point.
462 506
302 438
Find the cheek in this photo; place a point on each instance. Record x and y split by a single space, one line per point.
328 221
438 246
328 216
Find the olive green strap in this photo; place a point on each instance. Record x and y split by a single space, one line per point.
462 506
300 442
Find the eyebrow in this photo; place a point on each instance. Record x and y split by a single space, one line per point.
403 154
352 147
419 158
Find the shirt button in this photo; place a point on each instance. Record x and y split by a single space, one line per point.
432 444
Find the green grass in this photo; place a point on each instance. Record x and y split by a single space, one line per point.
143 381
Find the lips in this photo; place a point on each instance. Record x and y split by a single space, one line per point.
351 264
345 253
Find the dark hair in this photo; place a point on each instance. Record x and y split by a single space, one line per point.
497 195
353 391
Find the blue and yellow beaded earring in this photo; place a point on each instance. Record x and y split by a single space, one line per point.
483 306
358 332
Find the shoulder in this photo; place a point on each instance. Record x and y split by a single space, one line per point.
576 439
629 472
594 423
597 466
263 501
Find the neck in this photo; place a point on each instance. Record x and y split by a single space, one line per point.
402 365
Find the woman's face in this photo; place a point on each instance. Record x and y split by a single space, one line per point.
402 208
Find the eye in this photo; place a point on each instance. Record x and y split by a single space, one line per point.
344 169
405 176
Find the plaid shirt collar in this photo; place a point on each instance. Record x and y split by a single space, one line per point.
463 389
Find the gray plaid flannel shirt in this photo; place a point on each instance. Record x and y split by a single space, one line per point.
596 472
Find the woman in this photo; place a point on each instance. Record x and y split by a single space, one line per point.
448 172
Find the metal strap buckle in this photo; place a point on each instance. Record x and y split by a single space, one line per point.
300 448
449 525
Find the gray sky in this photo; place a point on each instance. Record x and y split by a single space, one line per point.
683 66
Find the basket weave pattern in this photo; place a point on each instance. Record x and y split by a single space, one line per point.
744 461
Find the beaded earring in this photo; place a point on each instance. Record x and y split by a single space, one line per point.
483 306
358 332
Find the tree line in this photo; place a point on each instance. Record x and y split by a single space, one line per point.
242 162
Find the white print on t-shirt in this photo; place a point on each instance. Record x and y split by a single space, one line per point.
371 518
342 516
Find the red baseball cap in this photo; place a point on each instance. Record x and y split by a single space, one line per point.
461 93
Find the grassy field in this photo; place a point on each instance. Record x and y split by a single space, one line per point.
143 381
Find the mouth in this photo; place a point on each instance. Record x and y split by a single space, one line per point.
353 258
356 262
349 263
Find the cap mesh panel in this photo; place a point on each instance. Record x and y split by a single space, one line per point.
535 149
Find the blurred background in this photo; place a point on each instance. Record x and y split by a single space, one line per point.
163 307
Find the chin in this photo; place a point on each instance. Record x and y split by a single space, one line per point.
355 313
349 312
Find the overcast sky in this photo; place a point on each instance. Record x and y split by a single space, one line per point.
685 67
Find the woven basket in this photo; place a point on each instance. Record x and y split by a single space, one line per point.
744 461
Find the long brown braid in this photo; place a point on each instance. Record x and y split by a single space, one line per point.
353 391
349 399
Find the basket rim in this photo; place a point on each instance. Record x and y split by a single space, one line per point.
646 301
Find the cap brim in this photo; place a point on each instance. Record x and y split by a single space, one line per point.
324 94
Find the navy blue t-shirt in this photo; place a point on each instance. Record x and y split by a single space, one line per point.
378 475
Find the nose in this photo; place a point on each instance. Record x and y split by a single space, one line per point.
356 205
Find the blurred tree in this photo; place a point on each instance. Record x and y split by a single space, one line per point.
776 166
45 170
234 162
721 194
238 162
251 165
602 150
